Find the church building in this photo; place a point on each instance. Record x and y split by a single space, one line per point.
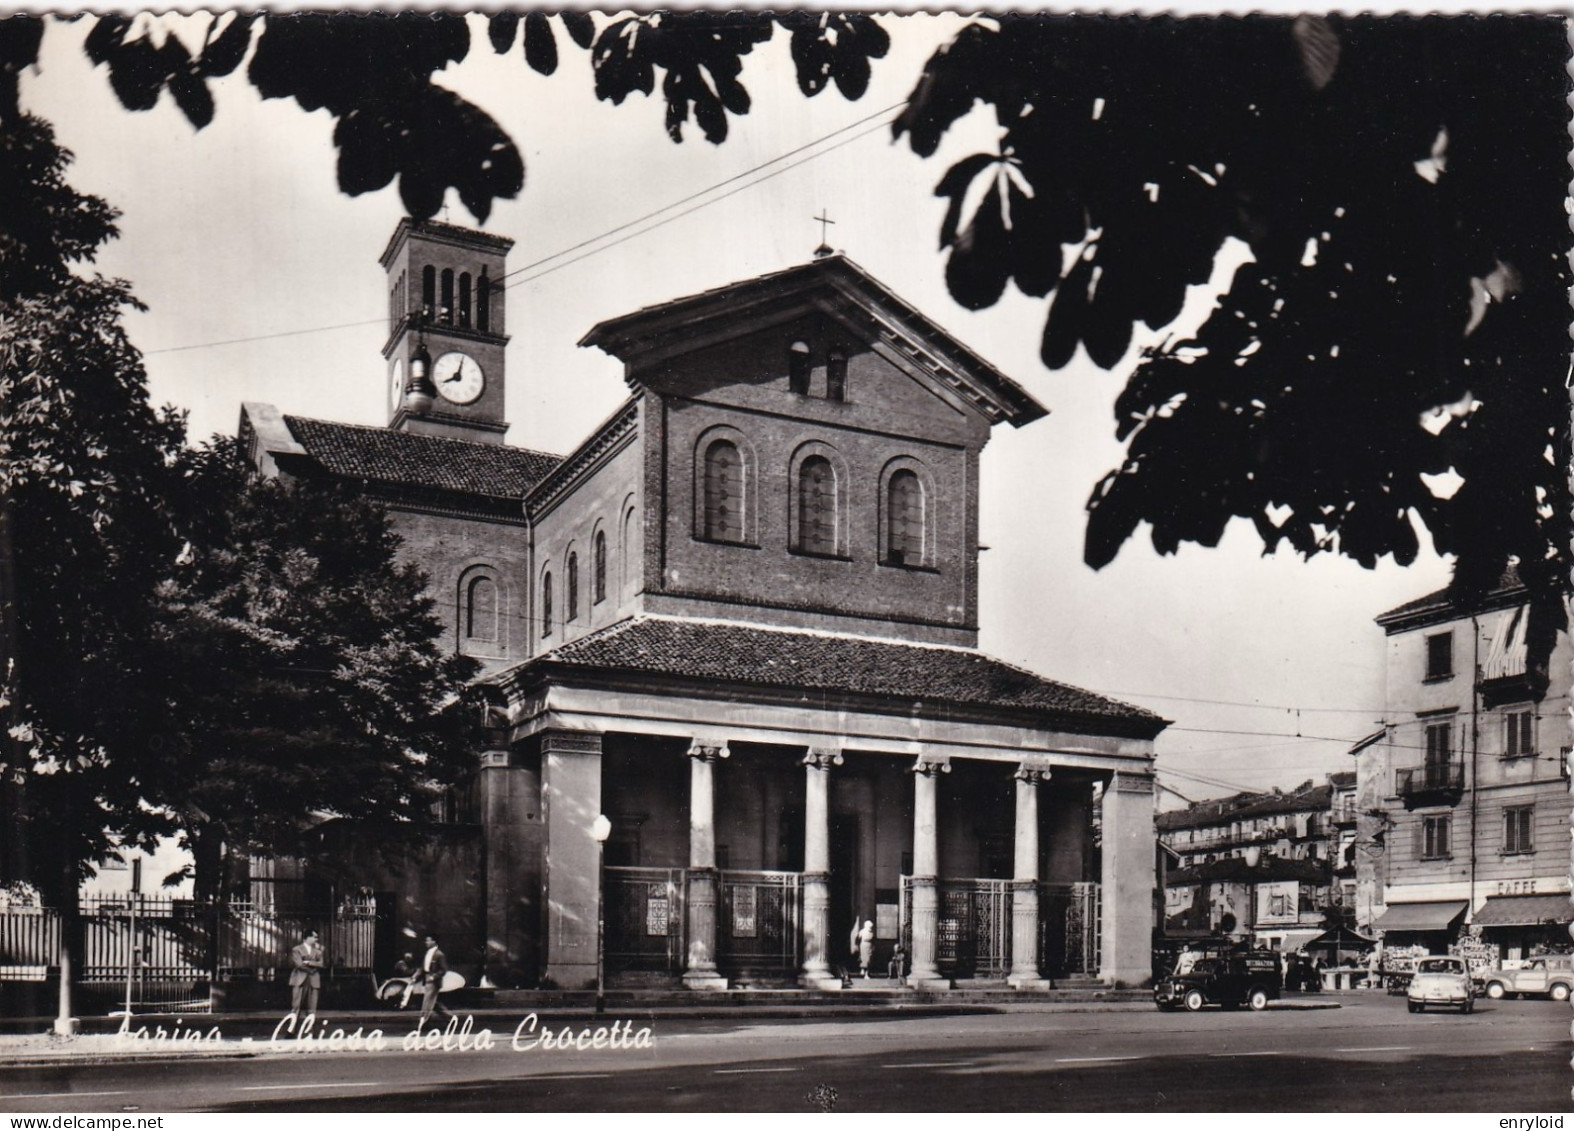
735 705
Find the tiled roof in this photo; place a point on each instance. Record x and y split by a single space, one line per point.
823 662
388 456
1442 602
1303 798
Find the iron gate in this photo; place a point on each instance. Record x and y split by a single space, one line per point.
645 917
973 932
1068 928
758 921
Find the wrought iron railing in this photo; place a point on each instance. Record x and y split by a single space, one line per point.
759 921
645 919
1431 777
152 940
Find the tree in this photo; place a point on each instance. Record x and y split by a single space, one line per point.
83 458
1394 354
1400 184
292 669
1398 181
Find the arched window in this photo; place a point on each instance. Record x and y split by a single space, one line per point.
464 300
546 604
817 506
836 376
798 367
483 302
445 310
481 606
626 554
904 508
723 486
598 591
428 291
573 586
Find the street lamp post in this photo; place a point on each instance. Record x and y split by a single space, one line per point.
600 829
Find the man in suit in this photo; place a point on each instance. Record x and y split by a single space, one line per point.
433 967
305 974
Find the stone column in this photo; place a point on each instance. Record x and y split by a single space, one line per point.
817 867
509 797
1125 958
703 877
925 907
1024 885
571 801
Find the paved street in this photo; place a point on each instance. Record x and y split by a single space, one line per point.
1370 1055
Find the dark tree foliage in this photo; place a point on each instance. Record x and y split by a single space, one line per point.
84 461
292 669
1400 183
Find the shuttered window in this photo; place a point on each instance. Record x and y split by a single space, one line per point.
1517 829
905 519
723 493
1519 739
817 506
599 566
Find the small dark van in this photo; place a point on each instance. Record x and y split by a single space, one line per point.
1250 978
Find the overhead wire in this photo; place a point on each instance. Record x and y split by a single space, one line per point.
597 239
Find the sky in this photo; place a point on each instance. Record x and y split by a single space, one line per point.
262 284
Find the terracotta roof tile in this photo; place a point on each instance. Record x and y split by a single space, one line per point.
388 456
824 662
1442 601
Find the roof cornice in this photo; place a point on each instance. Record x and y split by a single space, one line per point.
615 433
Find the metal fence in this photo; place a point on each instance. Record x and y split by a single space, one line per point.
758 927
164 947
974 927
645 919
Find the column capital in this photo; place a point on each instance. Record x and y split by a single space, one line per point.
929 766
498 759
709 751
1032 772
822 757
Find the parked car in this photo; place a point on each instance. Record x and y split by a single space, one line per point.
1249 978
1441 980
1551 974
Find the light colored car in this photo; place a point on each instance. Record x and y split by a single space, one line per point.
1551 974
1443 980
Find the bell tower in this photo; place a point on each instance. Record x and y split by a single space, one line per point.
446 330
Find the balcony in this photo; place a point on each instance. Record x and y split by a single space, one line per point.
1436 783
1343 813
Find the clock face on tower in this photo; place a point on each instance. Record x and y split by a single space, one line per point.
396 384
458 378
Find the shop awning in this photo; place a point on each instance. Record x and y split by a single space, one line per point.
1291 940
1525 910
1420 916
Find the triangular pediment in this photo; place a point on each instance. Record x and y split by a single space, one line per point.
832 288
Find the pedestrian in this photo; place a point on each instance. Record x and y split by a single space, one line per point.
404 970
898 969
863 943
433 967
305 974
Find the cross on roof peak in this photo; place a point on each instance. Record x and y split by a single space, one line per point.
825 246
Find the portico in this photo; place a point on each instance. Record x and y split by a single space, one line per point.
754 824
